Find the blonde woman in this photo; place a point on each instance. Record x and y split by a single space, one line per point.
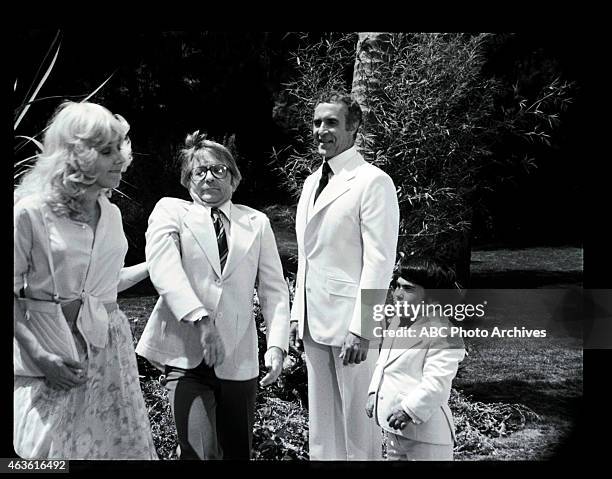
76 391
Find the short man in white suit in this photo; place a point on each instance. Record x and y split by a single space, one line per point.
347 228
204 258
412 381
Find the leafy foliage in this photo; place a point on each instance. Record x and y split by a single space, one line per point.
23 162
281 430
160 417
319 66
281 423
477 422
442 129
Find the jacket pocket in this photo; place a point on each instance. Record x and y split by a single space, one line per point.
340 287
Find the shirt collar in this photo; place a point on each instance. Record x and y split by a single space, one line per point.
339 161
226 208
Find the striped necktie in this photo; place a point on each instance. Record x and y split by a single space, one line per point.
221 238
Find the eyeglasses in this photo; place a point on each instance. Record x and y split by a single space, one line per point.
218 171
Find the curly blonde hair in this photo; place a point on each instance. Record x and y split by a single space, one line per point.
64 169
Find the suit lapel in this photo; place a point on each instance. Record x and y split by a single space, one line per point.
242 236
339 184
200 223
401 345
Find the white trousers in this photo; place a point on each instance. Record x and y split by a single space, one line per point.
400 448
339 429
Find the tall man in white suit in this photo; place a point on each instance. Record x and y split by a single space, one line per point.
204 258
347 224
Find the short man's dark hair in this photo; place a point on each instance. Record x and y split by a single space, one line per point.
430 273
354 115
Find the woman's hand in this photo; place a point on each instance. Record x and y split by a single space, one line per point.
61 373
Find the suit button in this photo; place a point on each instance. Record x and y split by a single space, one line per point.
308 289
380 397
219 315
217 281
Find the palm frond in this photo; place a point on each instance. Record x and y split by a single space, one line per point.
126 196
39 67
32 140
98 89
38 87
24 161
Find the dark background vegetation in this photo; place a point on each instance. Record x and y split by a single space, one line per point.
170 83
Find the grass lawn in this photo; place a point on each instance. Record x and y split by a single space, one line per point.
515 398
544 258
544 375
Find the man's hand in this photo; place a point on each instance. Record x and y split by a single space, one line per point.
354 349
294 341
214 351
370 405
398 417
61 373
273 360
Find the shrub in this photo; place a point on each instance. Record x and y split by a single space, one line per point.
476 423
160 417
281 424
441 128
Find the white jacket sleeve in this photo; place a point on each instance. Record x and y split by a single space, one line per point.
434 388
379 232
273 291
164 259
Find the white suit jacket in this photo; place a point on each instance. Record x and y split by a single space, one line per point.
189 277
346 243
418 372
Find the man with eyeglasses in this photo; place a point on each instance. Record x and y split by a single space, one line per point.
204 258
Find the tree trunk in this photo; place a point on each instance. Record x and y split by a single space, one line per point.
371 50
